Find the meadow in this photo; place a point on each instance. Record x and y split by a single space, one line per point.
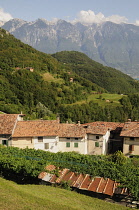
25 197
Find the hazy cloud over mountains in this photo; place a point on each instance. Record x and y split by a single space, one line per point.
4 16
89 17
85 17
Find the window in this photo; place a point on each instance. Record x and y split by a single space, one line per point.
4 142
46 146
68 138
75 144
97 137
67 144
96 144
76 138
40 138
131 148
132 138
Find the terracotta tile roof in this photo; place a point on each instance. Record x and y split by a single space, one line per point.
115 127
7 123
99 130
130 129
71 130
75 130
36 128
53 128
110 125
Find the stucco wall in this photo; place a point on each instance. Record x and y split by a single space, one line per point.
105 142
51 140
128 142
92 149
22 142
97 144
82 145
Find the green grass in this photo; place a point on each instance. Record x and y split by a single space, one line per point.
14 196
103 99
2 112
50 78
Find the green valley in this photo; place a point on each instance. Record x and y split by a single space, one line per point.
45 86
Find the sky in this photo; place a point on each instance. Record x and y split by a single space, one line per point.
85 11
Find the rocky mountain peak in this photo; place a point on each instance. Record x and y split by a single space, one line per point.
114 45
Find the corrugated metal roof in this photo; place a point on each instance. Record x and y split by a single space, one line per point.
84 181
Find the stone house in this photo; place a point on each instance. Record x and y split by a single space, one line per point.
107 135
51 135
130 133
7 125
37 134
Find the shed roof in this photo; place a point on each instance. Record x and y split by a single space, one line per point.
84 182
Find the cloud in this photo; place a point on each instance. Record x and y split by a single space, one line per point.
4 16
117 19
89 17
137 22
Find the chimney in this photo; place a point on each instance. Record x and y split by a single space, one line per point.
20 116
79 123
58 119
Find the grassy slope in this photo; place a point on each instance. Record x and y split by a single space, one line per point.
113 99
15 196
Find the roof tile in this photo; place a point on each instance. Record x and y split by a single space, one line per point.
7 123
130 129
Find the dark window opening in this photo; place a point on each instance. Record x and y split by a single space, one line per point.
4 142
40 138
132 138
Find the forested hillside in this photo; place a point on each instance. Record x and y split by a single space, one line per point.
42 87
110 79
42 91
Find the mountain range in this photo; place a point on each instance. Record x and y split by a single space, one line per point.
114 45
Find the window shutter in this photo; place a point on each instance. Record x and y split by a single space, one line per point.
75 144
67 144
96 144
131 147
